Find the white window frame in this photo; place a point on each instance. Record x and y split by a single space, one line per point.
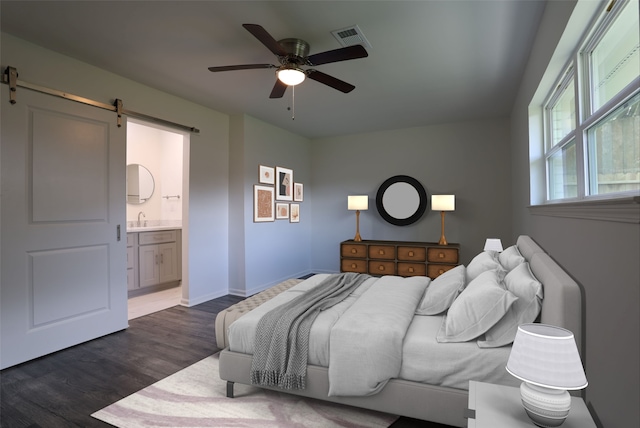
624 206
549 148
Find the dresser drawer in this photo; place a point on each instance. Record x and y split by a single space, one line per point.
433 271
353 250
382 252
379 267
412 254
145 238
353 265
412 269
442 255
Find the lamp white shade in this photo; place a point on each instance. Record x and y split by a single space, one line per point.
546 356
359 202
493 244
443 202
291 76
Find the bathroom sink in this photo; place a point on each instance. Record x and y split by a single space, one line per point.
153 226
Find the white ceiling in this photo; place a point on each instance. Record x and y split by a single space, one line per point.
430 61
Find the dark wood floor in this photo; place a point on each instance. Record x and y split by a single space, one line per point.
63 389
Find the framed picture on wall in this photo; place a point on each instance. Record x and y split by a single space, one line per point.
284 184
263 203
282 211
294 216
298 194
267 175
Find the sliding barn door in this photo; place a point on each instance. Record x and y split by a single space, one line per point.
63 265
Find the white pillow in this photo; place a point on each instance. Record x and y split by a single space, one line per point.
487 260
510 258
442 291
478 308
521 282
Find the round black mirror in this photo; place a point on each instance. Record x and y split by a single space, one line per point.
401 200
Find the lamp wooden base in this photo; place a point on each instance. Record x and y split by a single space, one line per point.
443 240
357 237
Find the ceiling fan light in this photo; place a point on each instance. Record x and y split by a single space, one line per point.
291 76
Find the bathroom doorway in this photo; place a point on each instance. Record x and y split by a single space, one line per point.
157 217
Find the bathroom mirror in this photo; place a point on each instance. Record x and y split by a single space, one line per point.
140 184
401 200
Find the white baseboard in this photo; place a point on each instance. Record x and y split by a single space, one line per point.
196 301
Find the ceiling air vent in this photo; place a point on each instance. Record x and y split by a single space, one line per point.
351 36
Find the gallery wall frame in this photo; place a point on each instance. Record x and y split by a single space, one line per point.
298 192
294 213
267 174
284 184
263 203
282 211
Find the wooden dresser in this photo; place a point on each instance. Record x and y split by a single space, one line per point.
398 257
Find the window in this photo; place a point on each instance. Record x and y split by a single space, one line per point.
592 117
563 112
614 151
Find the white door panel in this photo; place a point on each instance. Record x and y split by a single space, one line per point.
70 177
63 268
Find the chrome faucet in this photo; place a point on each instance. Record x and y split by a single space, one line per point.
141 214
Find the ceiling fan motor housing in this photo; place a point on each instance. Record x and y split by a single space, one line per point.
297 51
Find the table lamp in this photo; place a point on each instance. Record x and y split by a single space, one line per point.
492 244
546 359
443 203
357 203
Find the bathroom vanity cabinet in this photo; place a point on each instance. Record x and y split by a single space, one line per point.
153 260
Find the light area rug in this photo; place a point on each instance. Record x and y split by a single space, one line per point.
196 397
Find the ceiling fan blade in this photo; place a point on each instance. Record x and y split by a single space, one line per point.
278 89
265 38
324 78
241 67
336 55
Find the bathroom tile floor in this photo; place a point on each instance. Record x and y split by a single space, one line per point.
154 302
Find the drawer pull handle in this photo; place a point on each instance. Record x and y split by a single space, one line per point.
381 252
353 266
353 251
410 253
410 270
380 268
441 255
441 271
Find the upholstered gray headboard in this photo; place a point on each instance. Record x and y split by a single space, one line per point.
562 302
528 247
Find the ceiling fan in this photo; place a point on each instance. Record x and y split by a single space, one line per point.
292 55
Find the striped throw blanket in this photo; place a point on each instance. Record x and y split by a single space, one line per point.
282 337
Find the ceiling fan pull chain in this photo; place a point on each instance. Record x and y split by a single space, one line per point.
293 103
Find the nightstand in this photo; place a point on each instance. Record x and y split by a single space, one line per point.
498 406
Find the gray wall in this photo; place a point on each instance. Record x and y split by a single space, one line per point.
464 159
264 254
602 256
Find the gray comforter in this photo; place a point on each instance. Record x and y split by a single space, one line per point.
366 342
423 358
282 336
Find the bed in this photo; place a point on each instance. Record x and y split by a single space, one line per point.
414 393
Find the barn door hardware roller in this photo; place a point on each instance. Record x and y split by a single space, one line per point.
11 77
